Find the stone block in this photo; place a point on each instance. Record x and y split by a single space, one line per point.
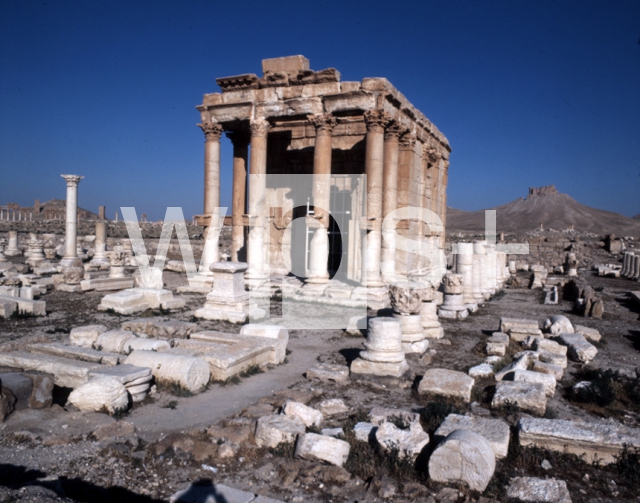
393 369
308 415
482 370
101 394
42 392
520 363
531 489
314 447
7 307
365 432
24 306
86 336
328 372
549 368
138 343
113 341
547 380
20 385
332 432
408 441
549 346
332 406
68 373
591 334
495 349
106 284
528 397
495 431
274 430
499 337
507 324
601 441
354 100
463 456
579 349
277 335
553 358
448 383
287 64
125 302
558 325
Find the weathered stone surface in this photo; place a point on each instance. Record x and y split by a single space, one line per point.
553 358
308 415
379 415
68 373
42 393
597 441
364 431
24 306
125 302
7 402
530 489
406 297
138 343
591 334
507 324
328 372
189 372
528 397
549 346
332 406
579 349
547 380
20 386
86 336
207 492
409 441
499 337
274 430
496 349
113 431
312 446
558 324
495 431
7 307
113 341
101 394
482 370
549 368
161 328
333 432
444 382
278 335
127 374
463 456
520 363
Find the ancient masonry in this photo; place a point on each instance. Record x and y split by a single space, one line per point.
298 121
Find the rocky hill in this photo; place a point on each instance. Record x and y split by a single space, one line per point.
550 208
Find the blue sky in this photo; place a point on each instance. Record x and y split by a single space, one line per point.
528 93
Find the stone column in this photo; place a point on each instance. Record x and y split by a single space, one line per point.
376 121
453 306
321 194
390 199
212 132
625 264
490 278
257 273
464 267
479 270
70 239
636 267
240 143
406 156
100 258
12 248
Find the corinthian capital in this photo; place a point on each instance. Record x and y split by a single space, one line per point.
259 127
408 140
324 123
72 180
394 131
212 130
376 120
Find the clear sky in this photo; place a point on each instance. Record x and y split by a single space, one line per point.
528 93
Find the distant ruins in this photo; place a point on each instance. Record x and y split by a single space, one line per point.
300 121
50 210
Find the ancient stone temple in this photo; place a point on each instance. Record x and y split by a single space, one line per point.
294 120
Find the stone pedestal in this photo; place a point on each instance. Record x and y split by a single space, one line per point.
70 238
36 252
539 276
12 249
383 355
571 265
512 267
228 300
117 261
73 273
453 306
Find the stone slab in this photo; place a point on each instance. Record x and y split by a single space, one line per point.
328 372
448 383
7 308
535 490
597 441
579 349
361 366
27 306
127 374
106 284
528 397
68 373
161 328
77 353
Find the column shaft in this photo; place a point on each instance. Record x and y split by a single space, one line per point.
70 245
240 157
390 200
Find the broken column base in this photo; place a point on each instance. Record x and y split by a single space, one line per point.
413 339
453 307
394 369
137 300
231 310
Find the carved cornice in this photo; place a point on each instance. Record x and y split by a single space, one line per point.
72 180
238 139
324 123
259 128
376 120
408 140
238 82
212 130
431 154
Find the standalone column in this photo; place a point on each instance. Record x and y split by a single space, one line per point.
70 238
100 258
479 262
240 157
464 267
210 254
390 200
321 193
406 157
625 263
376 121
257 273
12 248
490 274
